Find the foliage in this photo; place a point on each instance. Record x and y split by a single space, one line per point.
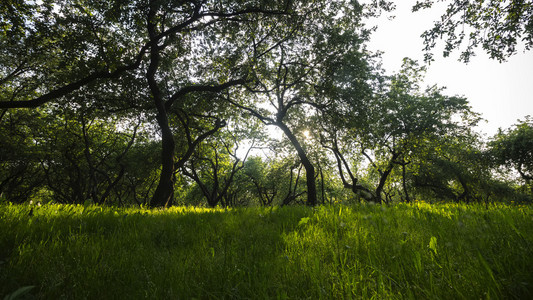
91 91
20 174
406 117
513 148
454 168
390 130
73 155
275 182
292 82
497 26
361 251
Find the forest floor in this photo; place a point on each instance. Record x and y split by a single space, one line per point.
419 251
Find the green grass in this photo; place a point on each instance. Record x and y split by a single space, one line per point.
417 251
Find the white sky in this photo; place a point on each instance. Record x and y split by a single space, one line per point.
502 93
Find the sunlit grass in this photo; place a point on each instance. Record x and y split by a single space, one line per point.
420 251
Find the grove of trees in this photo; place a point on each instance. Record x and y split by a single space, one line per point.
158 102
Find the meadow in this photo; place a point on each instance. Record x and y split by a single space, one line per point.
402 251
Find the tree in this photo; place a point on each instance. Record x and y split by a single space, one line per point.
497 26
147 56
141 164
391 129
165 50
290 83
70 155
83 156
275 181
223 57
214 165
452 167
355 83
263 187
20 173
513 148
406 117
51 49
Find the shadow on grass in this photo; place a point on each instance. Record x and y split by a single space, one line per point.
95 252
362 251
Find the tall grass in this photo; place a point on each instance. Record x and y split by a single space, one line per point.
417 251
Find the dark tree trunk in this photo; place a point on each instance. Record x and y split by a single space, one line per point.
164 192
384 176
466 192
352 185
404 184
381 185
322 185
309 169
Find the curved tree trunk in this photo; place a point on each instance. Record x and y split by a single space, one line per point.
164 192
384 176
357 189
309 168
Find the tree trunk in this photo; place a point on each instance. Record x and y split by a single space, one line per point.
404 184
384 177
322 185
466 192
381 185
357 189
309 169
164 192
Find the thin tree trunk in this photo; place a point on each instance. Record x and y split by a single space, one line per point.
404 184
322 186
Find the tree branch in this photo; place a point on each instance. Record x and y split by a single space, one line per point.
201 88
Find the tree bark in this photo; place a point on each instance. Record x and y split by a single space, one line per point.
309 169
164 192
384 177
404 184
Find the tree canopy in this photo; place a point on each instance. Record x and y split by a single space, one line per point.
158 102
514 148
